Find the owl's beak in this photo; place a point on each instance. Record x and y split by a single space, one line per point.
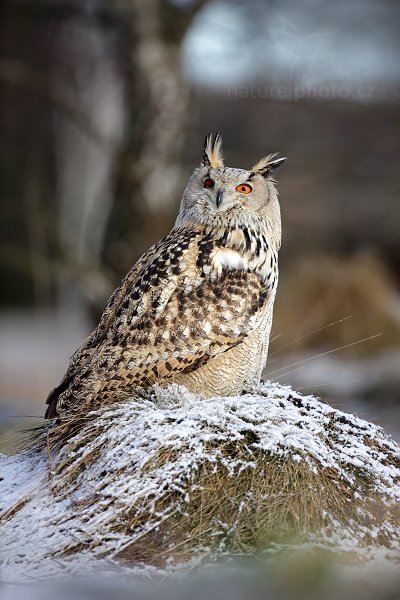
218 200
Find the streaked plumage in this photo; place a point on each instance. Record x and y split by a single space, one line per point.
196 308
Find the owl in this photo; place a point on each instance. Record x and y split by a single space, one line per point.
196 309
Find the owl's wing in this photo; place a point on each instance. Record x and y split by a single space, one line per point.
181 312
193 327
83 355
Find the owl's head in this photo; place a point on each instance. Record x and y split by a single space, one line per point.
228 198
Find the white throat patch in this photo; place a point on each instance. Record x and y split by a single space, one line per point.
229 259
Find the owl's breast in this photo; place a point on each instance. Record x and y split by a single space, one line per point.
214 252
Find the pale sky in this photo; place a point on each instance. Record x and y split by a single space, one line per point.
347 42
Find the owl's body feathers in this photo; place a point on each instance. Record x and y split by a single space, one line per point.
196 309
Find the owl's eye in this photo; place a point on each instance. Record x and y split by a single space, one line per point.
209 183
244 188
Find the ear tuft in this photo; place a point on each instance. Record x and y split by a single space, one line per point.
268 164
212 152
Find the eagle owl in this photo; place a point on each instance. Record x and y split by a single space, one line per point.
196 309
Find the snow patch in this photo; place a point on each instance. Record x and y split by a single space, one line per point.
122 470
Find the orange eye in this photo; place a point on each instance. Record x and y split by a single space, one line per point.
244 188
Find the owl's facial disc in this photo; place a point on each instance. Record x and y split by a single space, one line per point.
221 198
225 189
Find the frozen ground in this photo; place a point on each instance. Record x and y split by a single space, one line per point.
65 516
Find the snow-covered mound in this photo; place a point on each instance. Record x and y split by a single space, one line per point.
173 478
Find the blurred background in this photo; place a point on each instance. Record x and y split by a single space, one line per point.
103 110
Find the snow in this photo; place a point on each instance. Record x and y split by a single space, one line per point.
57 511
